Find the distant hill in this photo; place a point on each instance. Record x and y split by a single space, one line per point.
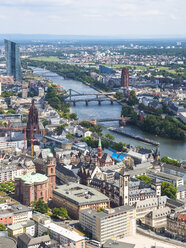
38 37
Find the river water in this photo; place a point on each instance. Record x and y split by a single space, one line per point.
171 148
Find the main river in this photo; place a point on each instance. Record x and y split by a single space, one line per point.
172 148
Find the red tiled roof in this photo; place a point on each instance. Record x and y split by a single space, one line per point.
182 217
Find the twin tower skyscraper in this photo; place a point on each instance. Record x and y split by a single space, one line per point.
13 60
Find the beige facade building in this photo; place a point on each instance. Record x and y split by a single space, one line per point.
111 223
157 219
75 197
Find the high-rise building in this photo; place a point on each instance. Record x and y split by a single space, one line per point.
13 60
125 77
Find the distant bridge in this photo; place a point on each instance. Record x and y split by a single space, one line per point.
98 97
87 100
97 94
122 120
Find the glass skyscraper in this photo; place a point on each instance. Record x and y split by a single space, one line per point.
13 60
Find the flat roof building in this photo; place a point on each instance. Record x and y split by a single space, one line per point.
111 223
175 180
62 235
74 197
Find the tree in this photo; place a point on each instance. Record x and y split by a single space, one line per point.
128 111
40 206
60 128
73 116
2 111
97 129
110 136
45 233
69 136
171 161
45 122
132 98
60 212
2 228
120 147
119 95
145 179
11 111
169 190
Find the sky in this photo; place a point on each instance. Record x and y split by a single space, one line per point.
93 17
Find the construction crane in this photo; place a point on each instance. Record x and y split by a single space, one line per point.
25 139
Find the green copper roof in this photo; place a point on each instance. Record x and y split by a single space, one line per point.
99 144
34 178
50 155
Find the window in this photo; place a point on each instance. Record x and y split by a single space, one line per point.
41 186
52 170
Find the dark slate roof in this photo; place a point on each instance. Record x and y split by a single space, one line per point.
71 173
175 168
29 240
155 180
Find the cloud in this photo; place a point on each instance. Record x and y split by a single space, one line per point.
98 16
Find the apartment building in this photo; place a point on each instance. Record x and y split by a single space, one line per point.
176 224
62 235
111 223
11 168
14 214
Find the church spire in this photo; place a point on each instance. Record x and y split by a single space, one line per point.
99 150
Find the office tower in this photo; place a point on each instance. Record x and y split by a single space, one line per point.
13 60
125 77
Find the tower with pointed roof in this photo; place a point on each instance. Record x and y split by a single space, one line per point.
124 188
99 150
32 124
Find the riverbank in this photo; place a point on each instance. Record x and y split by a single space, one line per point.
171 148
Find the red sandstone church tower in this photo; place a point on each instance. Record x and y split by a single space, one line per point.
125 78
99 150
32 124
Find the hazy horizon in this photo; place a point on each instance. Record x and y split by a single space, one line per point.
98 17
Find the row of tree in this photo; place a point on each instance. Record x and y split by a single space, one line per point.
42 207
167 127
166 188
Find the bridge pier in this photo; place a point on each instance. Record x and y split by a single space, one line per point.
86 102
99 102
111 102
74 103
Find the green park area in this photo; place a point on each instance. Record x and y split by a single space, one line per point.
48 59
155 70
